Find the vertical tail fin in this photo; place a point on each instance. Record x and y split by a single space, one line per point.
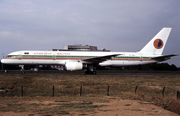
156 45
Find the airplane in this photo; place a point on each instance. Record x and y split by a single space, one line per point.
80 60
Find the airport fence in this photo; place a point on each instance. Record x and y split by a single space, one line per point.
88 91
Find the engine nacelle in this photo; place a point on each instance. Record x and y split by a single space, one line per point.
71 66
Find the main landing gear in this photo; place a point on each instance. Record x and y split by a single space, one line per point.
90 70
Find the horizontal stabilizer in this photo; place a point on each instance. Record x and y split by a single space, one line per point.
165 57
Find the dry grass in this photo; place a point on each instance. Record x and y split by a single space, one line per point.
122 85
52 106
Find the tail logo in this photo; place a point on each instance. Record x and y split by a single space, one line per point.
158 43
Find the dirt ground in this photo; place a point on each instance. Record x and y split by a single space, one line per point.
132 108
115 107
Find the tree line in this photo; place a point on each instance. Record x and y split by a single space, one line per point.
158 67
154 66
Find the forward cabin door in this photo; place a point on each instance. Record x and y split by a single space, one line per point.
19 55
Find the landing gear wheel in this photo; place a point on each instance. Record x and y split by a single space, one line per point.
90 72
6 71
23 72
94 72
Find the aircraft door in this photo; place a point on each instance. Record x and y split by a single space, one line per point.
53 57
19 55
141 58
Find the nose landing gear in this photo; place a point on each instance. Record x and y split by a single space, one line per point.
22 69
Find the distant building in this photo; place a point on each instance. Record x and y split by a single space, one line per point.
80 47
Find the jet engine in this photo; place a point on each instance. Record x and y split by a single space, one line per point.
71 66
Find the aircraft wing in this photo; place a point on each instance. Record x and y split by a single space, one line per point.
96 60
165 57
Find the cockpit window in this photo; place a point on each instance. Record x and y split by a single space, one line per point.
9 56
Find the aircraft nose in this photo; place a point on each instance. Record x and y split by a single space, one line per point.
3 61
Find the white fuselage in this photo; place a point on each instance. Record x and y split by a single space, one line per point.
61 57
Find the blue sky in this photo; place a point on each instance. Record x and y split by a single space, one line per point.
118 25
